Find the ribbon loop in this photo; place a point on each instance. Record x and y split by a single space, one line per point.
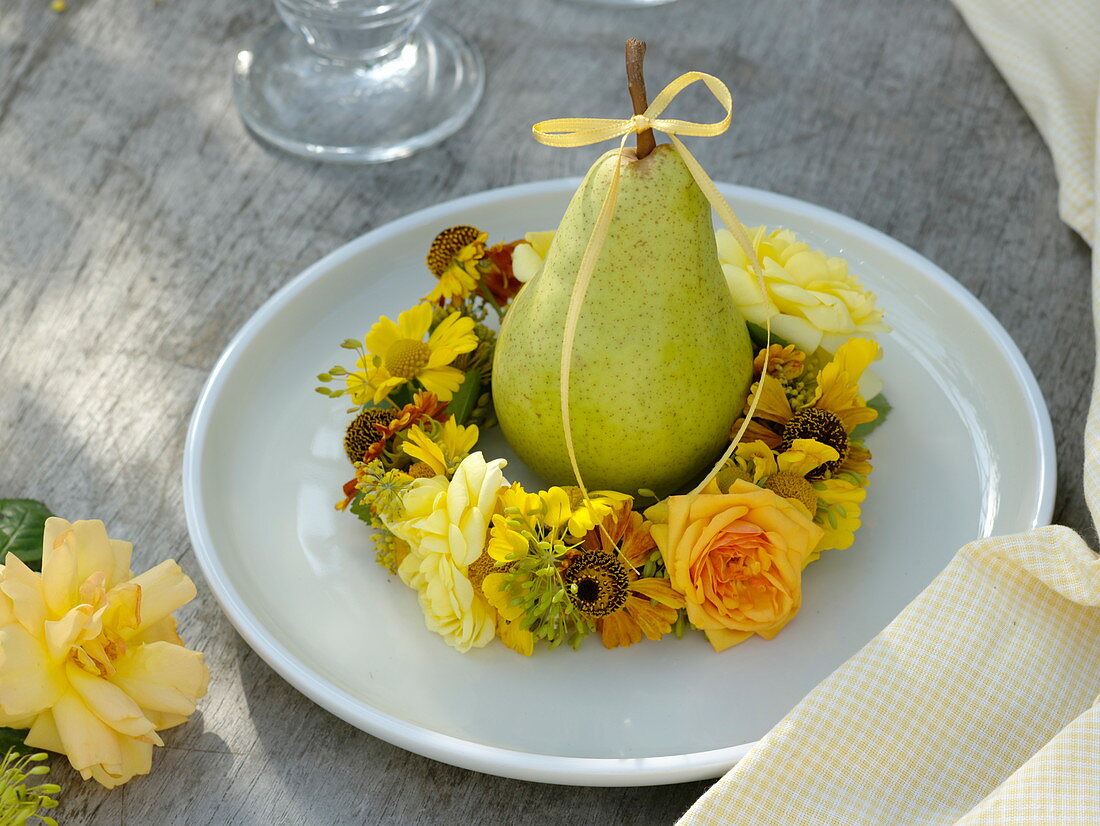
573 132
569 132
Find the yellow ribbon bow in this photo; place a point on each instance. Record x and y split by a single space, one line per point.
572 132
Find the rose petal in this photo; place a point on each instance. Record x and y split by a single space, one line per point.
163 589
29 680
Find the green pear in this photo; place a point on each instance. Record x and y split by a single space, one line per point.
661 360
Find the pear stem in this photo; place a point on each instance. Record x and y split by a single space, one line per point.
635 81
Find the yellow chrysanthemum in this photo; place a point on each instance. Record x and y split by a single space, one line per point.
444 452
398 353
453 259
90 660
812 299
444 523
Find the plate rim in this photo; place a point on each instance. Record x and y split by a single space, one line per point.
495 760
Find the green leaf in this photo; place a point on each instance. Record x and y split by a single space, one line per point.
883 407
21 525
402 395
759 336
463 402
11 738
362 510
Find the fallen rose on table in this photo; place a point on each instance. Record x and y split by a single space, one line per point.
91 665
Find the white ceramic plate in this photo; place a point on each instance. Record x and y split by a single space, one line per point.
967 452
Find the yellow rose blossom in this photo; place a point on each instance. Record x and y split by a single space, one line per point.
444 452
397 352
736 557
812 299
445 524
90 660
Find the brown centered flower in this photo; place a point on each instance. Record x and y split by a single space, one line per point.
612 554
454 258
363 431
424 407
834 411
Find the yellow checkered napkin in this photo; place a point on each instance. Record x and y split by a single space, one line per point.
998 660
979 704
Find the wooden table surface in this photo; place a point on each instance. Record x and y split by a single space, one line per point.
140 226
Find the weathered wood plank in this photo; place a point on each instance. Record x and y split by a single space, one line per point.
140 226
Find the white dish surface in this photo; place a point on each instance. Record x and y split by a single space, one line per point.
967 452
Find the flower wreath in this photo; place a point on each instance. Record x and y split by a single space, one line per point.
489 559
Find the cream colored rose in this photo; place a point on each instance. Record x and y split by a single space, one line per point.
446 523
813 300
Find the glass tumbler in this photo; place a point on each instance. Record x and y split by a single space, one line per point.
355 81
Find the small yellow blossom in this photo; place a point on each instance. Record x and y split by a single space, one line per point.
812 299
590 512
838 514
540 514
444 452
90 660
398 353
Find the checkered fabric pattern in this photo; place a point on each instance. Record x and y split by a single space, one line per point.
978 705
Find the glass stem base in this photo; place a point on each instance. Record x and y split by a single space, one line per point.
347 111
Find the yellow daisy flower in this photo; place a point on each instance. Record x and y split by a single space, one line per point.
398 353
442 453
830 416
453 259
